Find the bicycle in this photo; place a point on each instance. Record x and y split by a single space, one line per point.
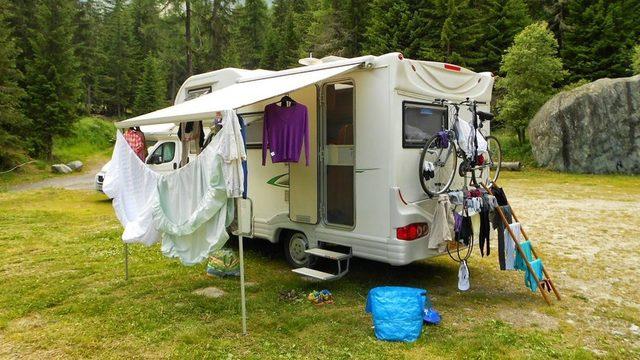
438 159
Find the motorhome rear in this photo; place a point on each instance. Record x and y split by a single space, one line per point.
367 126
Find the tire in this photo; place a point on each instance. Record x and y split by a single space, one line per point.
294 244
445 165
491 172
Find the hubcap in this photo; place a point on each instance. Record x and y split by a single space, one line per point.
297 246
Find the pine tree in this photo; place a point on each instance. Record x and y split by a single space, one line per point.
21 20
395 26
282 48
600 37
532 68
635 60
505 18
118 70
151 88
249 35
52 77
12 122
557 17
88 50
462 33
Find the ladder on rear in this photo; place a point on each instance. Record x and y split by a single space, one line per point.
506 224
342 260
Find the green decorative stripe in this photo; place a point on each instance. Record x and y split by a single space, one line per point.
358 171
275 181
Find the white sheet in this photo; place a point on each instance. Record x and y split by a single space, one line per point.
131 185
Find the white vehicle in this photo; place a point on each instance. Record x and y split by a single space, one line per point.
369 117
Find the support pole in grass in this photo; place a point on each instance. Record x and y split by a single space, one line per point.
242 296
126 262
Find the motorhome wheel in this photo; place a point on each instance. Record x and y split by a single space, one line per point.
295 245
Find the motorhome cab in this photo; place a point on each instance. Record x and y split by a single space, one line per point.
368 119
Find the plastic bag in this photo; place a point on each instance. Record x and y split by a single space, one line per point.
397 312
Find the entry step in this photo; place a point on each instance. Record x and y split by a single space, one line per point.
333 255
314 274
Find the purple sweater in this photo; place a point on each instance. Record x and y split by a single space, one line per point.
285 128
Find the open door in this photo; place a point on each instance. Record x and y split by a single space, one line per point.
303 180
339 154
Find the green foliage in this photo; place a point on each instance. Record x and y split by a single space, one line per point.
118 69
599 37
12 122
52 77
513 149
285 34
635 60
395 26
150 89
505 18
251 23
88 50
87 136
532 68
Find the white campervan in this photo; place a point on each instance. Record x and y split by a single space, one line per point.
368 119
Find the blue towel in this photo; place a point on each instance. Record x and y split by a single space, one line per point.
520 263
529 280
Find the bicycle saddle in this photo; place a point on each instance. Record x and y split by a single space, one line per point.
485 115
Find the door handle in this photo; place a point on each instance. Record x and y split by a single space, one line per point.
175 166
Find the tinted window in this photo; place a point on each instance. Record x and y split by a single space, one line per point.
420 122
166 151
254 122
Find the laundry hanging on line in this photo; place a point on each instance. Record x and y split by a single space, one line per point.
442 226
179 204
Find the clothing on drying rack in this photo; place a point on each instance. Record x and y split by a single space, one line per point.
456 197
529 280
520 263
466 231
285 129
442 226
135 139
485 230
499 226
510 245
501 198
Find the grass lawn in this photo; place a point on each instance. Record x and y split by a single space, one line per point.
63 294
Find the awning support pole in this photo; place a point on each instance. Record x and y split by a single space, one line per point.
126 262
242 295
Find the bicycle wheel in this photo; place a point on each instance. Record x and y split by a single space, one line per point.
490 169
437 166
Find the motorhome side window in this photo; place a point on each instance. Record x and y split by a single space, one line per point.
164 153
420 122
254 123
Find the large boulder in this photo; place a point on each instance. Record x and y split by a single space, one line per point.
60 169
594 128
75 165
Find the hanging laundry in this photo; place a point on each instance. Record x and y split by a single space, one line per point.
131 185
529 279
520 263
284 131
229 144
187 133
465 138
510 246
499 226
192 209
442 225
135 139
485 229
500 195
456 197
465 235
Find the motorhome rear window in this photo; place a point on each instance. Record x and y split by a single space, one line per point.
420 122
255 122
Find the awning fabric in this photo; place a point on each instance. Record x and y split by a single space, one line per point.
235 96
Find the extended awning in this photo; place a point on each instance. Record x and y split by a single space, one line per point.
245 92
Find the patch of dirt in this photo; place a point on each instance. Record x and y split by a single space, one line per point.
519 318
84 180
210 292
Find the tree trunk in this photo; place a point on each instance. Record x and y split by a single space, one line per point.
48 146
521 135
187 36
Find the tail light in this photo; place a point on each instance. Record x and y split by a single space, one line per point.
412 231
